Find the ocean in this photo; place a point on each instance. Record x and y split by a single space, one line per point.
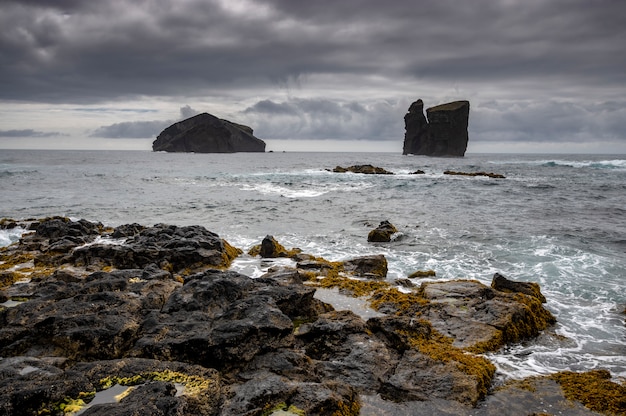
558 220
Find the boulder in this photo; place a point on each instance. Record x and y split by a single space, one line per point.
205 133
179 248
442 132
503 284
342 348
382 233
271 248
480 318
374 267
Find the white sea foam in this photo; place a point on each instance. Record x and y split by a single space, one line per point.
10 236
303 190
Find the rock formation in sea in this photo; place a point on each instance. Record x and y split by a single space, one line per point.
205 133
87 308
382 233
365 169
442 132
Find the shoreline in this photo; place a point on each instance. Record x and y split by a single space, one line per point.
103 299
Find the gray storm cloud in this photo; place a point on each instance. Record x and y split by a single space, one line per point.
532 69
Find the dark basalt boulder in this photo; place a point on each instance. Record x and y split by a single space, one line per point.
373 267
188 247
442 132
205 133
382 233
503 284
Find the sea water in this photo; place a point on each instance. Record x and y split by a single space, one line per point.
558 220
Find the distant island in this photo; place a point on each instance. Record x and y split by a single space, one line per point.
205 133
442 132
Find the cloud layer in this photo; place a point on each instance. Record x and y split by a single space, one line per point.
533 70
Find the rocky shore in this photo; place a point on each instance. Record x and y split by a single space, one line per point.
153 318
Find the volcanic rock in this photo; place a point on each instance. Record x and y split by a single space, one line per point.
205 133
366 169
442 132
382 233
503 284
374 267
151 309
488 174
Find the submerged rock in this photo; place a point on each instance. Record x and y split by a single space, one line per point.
366 169
487 174
442 132
205 133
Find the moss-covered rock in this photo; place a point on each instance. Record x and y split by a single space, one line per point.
271 248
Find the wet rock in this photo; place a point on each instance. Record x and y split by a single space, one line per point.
419 274
271 248
201 388
149 399
86 326
365 169
503 284
36 385
222 319
284 275
374 267
397 331
127 230
291 397
253 346
419 377
382 233
533 395
487 174
406 283
180 248
429 367
56 228
480 318
343 350
60 241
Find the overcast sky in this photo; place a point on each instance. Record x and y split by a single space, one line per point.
540 75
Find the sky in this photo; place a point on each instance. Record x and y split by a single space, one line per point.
324 75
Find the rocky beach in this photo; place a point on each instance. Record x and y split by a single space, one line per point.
156 315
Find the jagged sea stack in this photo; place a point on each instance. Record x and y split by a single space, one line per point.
206 133
442 132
